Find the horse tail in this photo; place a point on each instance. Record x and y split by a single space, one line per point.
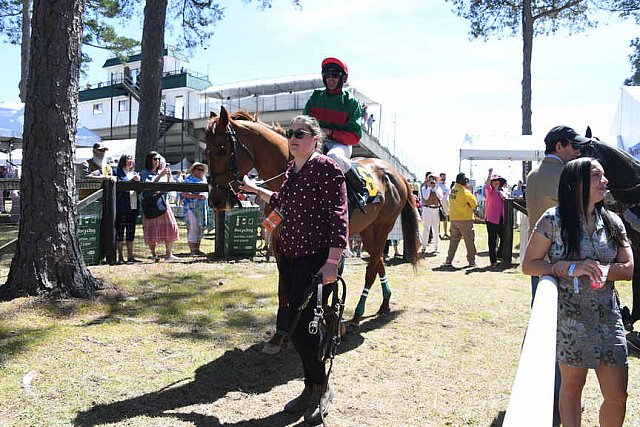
409 220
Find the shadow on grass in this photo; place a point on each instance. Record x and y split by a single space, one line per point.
193 300
249 371
17 340
499 419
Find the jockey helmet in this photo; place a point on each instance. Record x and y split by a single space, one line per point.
335 65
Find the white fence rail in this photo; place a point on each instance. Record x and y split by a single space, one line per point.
531 402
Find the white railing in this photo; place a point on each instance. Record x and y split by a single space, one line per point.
531 402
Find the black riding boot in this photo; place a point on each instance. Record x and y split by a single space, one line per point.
359 192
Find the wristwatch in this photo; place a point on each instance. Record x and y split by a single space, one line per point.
572 268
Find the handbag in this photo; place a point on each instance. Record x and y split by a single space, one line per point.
443 214
153 205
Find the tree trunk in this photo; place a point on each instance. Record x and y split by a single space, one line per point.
48 259
151 66
25 47
527 50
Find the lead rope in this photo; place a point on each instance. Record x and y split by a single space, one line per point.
338 304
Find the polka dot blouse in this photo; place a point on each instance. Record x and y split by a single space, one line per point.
313 202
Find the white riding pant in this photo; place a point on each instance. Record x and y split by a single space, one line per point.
340 153
430 221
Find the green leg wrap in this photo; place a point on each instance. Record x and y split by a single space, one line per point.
362 302
386 290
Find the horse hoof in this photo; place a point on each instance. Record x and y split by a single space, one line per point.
356 320
384 310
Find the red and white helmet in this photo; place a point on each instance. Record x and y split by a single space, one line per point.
334 64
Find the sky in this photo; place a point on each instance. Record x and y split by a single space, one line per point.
434 84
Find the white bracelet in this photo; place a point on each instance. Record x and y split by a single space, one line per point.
572 267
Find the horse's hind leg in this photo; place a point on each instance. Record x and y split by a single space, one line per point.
375 248
386 291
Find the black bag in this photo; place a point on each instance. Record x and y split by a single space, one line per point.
153 205
443 215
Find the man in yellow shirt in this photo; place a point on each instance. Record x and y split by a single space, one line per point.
461 206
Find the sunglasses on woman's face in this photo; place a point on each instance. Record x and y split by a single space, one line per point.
199 169
298 133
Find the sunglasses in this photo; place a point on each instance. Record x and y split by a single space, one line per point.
156 158
332 74
199 169
298 133
577 146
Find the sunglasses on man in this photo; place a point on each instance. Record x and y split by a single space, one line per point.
298 133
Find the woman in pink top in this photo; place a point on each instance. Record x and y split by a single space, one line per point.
494 214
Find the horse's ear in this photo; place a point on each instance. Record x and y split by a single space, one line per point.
588 133
224 118
212 114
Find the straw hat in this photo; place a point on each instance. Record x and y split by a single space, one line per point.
196 164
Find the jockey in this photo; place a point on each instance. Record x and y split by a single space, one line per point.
338 113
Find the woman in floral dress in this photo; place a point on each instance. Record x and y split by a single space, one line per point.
573 241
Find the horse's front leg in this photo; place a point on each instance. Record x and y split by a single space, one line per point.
372 270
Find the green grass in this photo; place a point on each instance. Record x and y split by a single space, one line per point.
177 344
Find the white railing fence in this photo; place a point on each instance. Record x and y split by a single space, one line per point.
531 402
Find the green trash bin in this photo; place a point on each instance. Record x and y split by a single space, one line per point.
89 219
241 231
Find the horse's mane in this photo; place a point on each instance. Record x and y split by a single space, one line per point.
244 115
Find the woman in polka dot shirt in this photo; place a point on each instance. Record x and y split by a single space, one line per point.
313 235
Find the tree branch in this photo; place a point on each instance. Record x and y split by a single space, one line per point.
555 10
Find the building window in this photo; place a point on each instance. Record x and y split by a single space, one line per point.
98 108
123 105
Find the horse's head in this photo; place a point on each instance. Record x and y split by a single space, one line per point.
620 168
226 166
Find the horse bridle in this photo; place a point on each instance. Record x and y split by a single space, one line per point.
236 176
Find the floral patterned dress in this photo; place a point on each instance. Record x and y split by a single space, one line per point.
590 326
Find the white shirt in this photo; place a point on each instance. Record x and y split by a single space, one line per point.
444 189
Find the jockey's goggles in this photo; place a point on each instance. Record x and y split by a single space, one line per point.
298 133
332 74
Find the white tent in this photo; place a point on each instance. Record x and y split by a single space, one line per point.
12 123
626 126
502 147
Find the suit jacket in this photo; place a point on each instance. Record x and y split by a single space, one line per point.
542 188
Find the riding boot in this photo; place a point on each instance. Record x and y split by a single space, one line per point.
320 400
300 403
359 191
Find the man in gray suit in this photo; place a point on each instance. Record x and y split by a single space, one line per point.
542 194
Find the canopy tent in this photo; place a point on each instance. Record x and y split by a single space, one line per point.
12 123
626 127
502 147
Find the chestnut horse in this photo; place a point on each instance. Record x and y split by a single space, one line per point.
239 142
623 172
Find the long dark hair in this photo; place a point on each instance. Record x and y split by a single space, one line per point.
572 205
123 160
148 161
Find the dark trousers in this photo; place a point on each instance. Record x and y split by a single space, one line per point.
296 276
496 236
